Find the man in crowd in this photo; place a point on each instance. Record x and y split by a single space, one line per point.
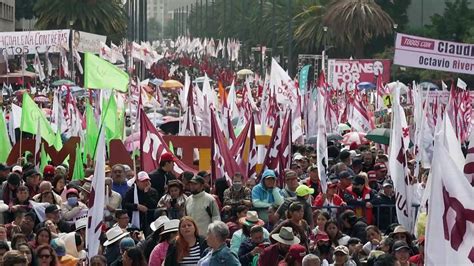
119 184
147 200
313 180
33 179
201 206
360 196
386 196
161 176
237 194
4 171
291 183
302 195
273 254
266 193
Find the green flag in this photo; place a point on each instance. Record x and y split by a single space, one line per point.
58 142
92 132
5 145
31 114
171 147
43 158
100 74
113 119
78 173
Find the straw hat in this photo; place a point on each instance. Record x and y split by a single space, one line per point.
114 234
286 236
251 219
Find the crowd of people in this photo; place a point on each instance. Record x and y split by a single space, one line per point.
160 218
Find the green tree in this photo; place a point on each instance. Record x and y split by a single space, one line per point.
106 17
356 23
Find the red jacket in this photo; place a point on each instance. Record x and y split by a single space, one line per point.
319 201
358 203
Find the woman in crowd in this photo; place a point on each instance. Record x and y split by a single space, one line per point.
28 252
174 200
17 240
335 235
295 220
158 255
321 220
42 237
53 228
218 252
241 235
189 247
133 257
48 197
59 186
329 199
46 256
374 237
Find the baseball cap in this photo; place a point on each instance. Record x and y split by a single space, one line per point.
399 245
303 190
31 172
197 179
142 176
51 208
167 157
372 175
4 167
387 183
17 168
358 180
342 249
297 252
379 166
344 174
126 243
48 170
72 191
59 247
297 157
269 173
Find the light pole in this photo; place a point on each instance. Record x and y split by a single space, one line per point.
325 48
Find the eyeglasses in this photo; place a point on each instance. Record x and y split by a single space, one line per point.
44 256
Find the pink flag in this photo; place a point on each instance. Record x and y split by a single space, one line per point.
321 141
152 146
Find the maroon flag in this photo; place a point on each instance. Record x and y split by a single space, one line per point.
253 155
223 164
152 146
279 153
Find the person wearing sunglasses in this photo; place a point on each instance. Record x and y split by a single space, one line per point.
46 256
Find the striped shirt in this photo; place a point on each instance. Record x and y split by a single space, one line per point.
193 257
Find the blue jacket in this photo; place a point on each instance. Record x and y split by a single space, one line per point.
223 256
262 197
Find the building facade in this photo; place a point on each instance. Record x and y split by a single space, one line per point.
7 15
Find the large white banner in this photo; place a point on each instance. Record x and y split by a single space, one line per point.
28 42
420 52
87 42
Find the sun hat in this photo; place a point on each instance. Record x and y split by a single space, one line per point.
251 219
298 157
342 249
269 173
400 229
286 236
142 176
58 246
114 234
81 223
159 222
303 190
170 226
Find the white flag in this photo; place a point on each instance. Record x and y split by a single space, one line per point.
38 67
135 214
322 149
450 230
399 141
48 63
77 58
96 200
64 62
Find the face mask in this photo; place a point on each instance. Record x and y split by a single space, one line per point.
237 186
72 201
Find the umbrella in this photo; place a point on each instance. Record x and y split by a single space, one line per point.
343 127
244 71
330 137
366 86
354 137
171 84
156 82
62 82
429 86
201 80
41 99
379 135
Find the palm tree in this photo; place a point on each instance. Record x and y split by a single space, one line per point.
356 22
309 32
106 17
